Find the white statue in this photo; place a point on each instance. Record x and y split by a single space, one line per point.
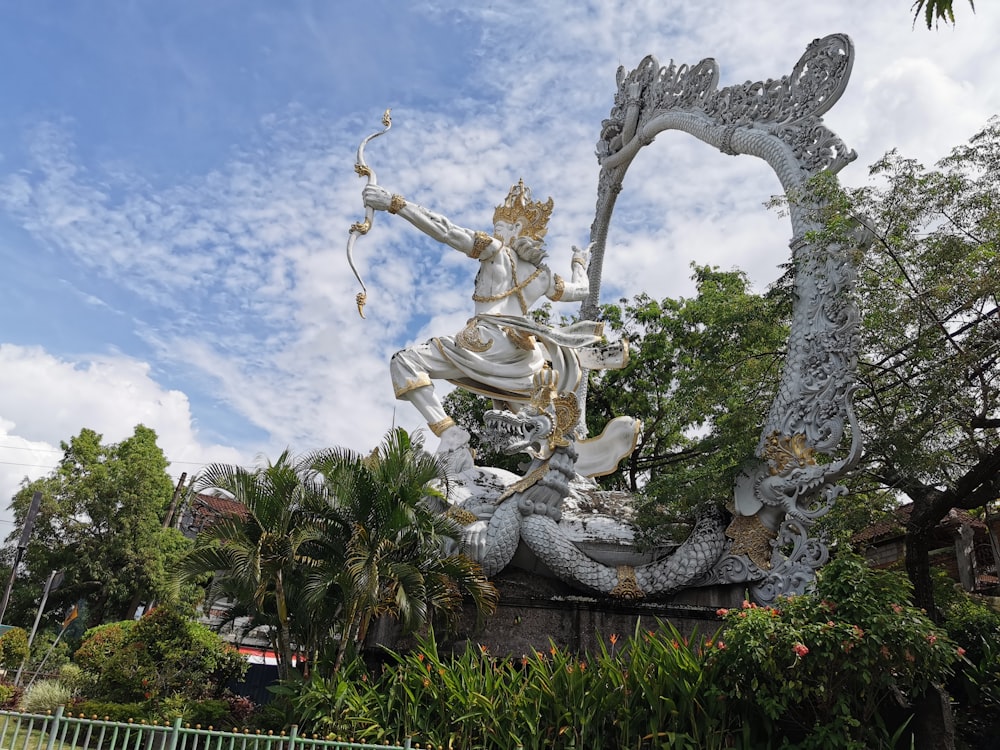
501 349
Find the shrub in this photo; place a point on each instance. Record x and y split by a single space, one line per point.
45 695
211 712
103 643
10 696
114 711
826 670
73 678
13 648
163 654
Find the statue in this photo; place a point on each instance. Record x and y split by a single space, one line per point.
500 349
757 540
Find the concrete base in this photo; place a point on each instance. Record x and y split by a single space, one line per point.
535 612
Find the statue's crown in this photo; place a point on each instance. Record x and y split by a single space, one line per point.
518 207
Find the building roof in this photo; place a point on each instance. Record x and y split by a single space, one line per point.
894 524
202 510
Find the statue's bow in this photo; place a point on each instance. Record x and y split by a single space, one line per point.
362 227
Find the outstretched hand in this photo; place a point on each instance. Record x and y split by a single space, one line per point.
582 256
377 197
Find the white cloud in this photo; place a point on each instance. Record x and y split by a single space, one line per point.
45 400
235 275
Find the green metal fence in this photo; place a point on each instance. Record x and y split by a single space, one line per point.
62 731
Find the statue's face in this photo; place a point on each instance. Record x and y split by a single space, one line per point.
507 232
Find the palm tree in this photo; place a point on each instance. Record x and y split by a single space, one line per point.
256 556
388 552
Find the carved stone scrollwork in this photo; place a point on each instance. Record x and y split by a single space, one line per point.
794 572
788 108
791 481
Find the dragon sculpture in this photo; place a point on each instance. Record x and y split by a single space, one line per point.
529 510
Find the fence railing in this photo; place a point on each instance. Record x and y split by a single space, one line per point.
62 731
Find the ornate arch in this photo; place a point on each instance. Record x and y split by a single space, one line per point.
784 488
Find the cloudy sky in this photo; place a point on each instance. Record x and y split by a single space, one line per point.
176 188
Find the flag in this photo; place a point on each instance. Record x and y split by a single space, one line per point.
73 614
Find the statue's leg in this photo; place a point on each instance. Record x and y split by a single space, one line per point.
413 371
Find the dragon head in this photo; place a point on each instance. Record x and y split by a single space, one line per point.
546 422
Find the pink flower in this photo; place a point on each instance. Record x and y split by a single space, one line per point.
932 639
722 612
746 604
721 646
800 649
897 609
960 651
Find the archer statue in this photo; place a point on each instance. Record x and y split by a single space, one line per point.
501 348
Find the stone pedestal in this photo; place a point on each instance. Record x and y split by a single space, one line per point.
535 612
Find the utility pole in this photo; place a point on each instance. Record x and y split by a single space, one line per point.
55 579
173 502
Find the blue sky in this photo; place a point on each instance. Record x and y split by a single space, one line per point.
176 187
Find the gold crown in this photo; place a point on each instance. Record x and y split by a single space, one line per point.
533 215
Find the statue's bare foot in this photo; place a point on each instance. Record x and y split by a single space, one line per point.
454 450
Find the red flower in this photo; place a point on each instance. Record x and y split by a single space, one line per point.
722 612
960 651
800 649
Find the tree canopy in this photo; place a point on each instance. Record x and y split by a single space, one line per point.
100 522
930 336
333 540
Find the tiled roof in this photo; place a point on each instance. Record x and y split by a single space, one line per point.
895 524
204 509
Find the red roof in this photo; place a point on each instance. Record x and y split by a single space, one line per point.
895 524
204 509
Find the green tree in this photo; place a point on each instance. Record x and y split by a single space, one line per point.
928 292
701 374
100 522
385 548
256 556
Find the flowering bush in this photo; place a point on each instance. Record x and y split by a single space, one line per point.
830 670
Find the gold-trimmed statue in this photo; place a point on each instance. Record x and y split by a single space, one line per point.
501 349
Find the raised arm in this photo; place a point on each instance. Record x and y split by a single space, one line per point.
477 245
578 286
